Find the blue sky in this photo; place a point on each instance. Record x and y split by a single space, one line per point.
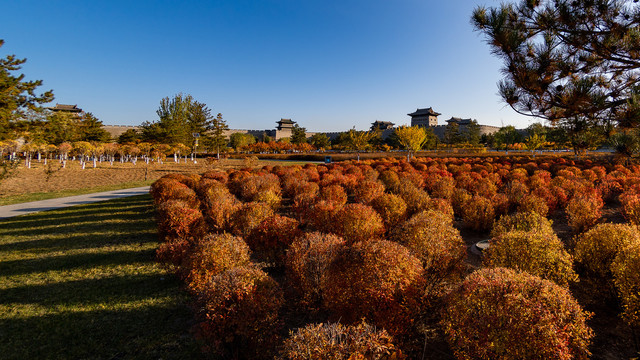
329 65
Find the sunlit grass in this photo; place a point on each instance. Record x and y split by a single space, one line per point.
81 283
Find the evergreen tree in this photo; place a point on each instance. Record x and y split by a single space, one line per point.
217 130
320 141
131 136
452 133
17 96
298 135
573 62
91 129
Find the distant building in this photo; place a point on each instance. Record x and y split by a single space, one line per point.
381 125
65 108
424 117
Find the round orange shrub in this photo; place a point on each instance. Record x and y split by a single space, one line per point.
238 313
337 341
500 203
272 237
248 217
416 199
626 275
212 255
366 191
253 185
631 207
443 206
504 314
269 197
431 237
358 222
583 211
459 199
219 205
177 219
322 216
334 193
379 281
164 189
596 249
538 253
391 208
307 264
524 221
533 203
478 213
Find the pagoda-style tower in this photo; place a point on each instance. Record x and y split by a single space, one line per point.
284 129
424 117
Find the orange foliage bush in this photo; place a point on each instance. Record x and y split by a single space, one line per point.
212 255
631 207
218 205
596 249
358 222
538 253
248 217
431 237
626 274
533 203
307 263
334 193
366 191
238 313
524 221
391 208
478 213
584 211
337 341
177 219
379 281
272 237
504 314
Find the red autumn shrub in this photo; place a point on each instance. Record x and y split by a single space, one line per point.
272 237
307 263
516 191
253 185
431 237
337 341
379 281
321 216
390 179
533 203
459 199
630 202
218 175
212 255
596 249
584 211
235 181
269 197
249 216
626 274
391 208
218 205
358 222
334 193
416 199
238 313
442 187
443 206
522 221
366 191
500 203
538 253
177 219
478 213
164 189
504 314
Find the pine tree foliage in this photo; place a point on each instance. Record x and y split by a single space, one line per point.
17 97
573 62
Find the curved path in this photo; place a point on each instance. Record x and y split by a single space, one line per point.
8 211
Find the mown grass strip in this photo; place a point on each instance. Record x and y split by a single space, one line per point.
82 283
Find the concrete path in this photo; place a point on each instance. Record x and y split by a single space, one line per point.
8 211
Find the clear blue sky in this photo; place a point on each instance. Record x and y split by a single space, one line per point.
329 65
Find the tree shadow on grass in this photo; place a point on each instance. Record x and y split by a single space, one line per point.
150 333
76 262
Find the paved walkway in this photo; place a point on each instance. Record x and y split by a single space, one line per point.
8 211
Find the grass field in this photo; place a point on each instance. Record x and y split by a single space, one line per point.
82 283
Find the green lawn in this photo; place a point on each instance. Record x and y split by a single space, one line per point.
81 283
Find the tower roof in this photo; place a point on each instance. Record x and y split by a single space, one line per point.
427 111
63 107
